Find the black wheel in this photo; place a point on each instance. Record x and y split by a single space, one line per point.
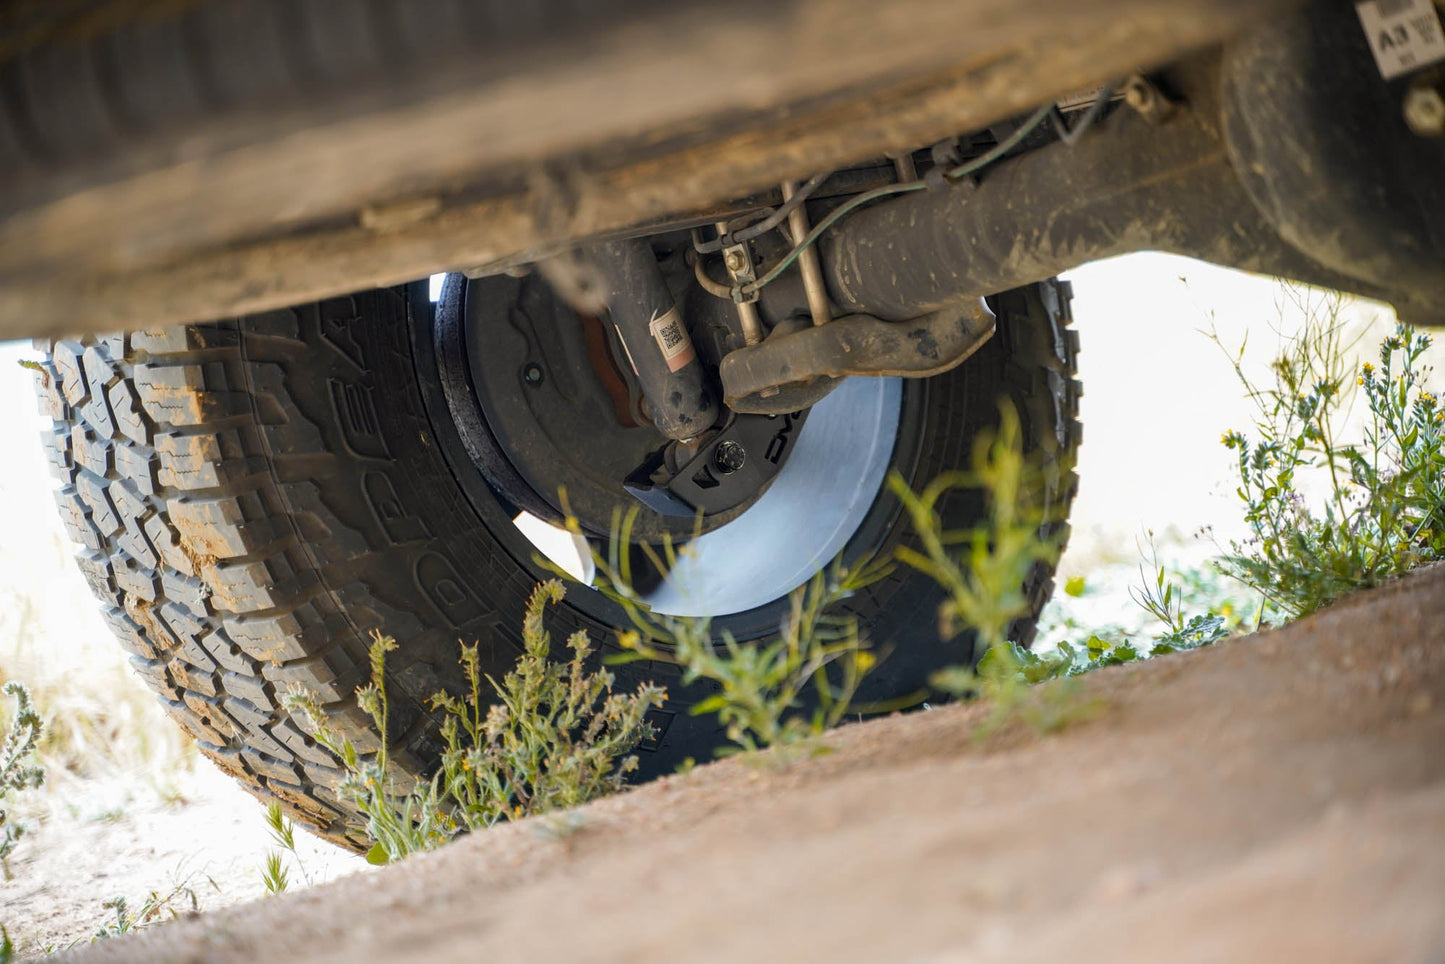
253 497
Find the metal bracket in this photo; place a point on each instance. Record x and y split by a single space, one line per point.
733 466
855 345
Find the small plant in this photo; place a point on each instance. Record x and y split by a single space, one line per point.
555 736
783 691
986 571
155 908
558 736
1004 672
1159 597
17 773
397 823
1164 600
1384 509
274 874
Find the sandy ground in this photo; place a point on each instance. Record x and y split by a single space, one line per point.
1277 797
197 836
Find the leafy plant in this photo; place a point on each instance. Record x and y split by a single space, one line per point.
555 736
397 823
782 691
1004 671
1384 509
17 773
986 571
1164 600
558 736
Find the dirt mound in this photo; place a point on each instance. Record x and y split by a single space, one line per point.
1276 797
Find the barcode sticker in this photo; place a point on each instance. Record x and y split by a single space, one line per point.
1404 35
672 339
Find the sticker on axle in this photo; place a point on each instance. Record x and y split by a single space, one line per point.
1404 35
672 339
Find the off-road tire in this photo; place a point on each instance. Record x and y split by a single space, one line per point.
254 497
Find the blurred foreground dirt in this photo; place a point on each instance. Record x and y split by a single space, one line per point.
1278 797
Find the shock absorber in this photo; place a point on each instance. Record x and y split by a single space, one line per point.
680 398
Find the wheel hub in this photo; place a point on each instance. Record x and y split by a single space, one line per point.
822 500
564 430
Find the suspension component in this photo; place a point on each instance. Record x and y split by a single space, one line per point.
679 398
791 366
808 265
739 262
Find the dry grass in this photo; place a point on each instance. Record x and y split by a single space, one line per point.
102 724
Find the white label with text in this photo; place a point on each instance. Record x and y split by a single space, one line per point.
1404 35
672 339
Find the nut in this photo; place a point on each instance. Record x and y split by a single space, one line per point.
1425 111
729 456
735 260
1137 94
1147 100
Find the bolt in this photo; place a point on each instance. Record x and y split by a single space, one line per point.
1147 100
735 260
1425 111
729 456
532 374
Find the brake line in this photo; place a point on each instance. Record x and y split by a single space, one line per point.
741 292
775 217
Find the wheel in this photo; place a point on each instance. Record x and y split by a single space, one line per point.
253 497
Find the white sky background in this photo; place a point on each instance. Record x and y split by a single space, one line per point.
1157 396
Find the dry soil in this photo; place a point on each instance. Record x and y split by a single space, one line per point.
1277 797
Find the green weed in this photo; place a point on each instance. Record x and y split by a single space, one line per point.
18 772
985 571
155 908
1383 511
555 736
1164 600
782 691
